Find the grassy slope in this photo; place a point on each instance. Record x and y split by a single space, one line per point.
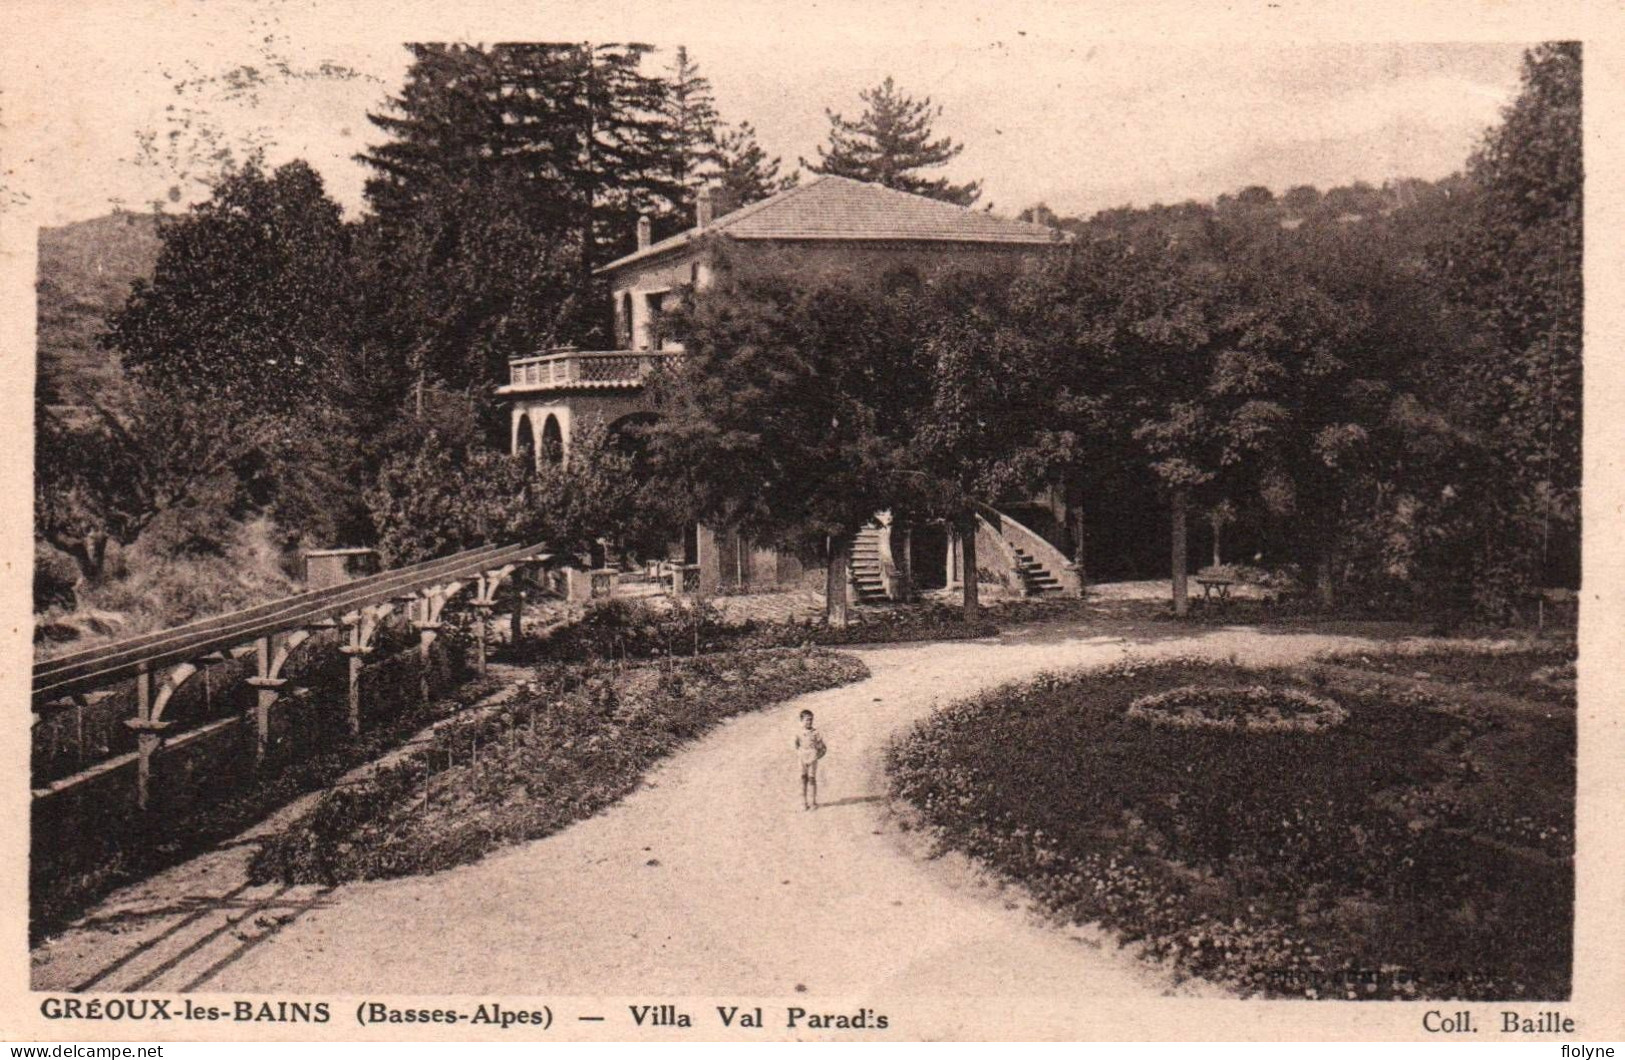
85 272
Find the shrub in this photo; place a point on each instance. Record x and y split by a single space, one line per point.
625 629
54 578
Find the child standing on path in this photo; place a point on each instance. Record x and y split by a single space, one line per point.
809 748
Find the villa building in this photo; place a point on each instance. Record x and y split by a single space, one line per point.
829 223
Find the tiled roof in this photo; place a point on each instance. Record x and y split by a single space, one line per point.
839 208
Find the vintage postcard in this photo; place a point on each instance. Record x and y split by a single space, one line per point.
888 521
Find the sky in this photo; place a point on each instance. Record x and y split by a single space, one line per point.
1080 106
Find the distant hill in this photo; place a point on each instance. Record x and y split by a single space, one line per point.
85 272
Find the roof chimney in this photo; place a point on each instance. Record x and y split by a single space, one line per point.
645 231
710 203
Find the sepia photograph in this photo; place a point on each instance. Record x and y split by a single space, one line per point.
802 524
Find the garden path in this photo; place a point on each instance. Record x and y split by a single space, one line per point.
711 880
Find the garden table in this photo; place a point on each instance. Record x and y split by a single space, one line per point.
1211 586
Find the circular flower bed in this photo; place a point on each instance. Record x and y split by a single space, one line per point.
1256 709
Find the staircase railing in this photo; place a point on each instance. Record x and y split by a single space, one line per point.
888 564
1011 535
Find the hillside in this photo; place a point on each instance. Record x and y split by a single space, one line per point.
85 272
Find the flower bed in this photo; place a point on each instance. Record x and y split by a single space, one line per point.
622 629
1416 850
1256 709
579 738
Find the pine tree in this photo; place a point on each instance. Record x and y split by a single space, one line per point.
441 127
747 173
580 125
693 115
890 143
512 172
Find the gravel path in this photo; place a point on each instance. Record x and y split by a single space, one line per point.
709 880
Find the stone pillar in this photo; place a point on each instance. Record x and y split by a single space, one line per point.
267 688
267 691
149 736
427 631
710 561
577 585
482 615
357 654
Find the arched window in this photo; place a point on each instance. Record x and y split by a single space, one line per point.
553 440
524 439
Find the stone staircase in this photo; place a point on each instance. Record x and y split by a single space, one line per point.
868 583
1036 579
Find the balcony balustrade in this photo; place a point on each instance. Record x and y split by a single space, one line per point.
565 369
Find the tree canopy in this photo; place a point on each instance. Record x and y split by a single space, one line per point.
1517 260
1377 387
249 301
692 112
777 422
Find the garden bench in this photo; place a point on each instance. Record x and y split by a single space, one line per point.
679 578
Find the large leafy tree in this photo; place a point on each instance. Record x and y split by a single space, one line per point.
108 475
1517 261
985 430
464 281
781 419
250 298
441 490
1104 314
890 144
